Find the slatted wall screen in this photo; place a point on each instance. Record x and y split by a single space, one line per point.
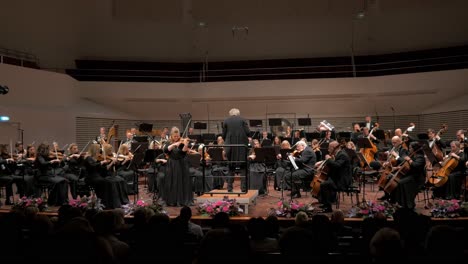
88 128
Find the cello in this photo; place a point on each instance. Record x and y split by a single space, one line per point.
402 171
321 174
441 176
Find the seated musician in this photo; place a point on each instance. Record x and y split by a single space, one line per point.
463 140
6 178
197 172
327 138
101 137
316 148
396 155
256 170
305 160
58 185
452 188
357 132
73 171
125 167
128 140
410 184
276 141
433 138
339 175
282 169
112 190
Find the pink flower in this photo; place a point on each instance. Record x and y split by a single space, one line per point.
209 209
364 211
280 204
294 206
83 204
140 203
219 203
226 208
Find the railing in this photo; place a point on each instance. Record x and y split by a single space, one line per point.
18 58
333 67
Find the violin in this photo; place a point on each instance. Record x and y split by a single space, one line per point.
296 153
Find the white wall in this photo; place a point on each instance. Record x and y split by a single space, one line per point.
46 104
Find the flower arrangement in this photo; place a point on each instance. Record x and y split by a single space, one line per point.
229 206
25 202
446 208
291 208
371 208
87 203
130 209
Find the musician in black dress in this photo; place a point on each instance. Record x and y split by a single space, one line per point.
6 178
57 185
236 131
281 168
111 189
339 175
305 160
410 184
177 183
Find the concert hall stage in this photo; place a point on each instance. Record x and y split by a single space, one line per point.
261 205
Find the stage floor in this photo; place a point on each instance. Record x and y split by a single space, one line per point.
265 202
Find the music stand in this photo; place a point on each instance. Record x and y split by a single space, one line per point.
194 160
304 121
145 127
199 126
266 142
152 154
274 122
216 153
312 135
196 138
267 156
255 123
379 134
344 135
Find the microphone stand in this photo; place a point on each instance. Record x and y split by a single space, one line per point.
394 123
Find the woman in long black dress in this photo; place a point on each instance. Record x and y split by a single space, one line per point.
177 183
109 188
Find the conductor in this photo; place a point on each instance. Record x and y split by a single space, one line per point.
236 131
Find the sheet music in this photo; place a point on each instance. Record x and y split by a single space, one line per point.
291 158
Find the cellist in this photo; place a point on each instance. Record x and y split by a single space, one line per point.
339 175
452 188
410 183
396 155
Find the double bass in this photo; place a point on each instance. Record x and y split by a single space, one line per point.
434 147
405 138
369 153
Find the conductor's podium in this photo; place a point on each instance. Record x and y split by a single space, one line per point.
244 200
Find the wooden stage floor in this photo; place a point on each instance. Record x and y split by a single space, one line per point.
264 203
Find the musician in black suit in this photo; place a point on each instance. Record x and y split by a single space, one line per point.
236 131
452 188
369 123
305 160
339 175
409 185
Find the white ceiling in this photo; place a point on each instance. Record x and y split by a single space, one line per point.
58 32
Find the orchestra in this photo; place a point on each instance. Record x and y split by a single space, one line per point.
112 172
